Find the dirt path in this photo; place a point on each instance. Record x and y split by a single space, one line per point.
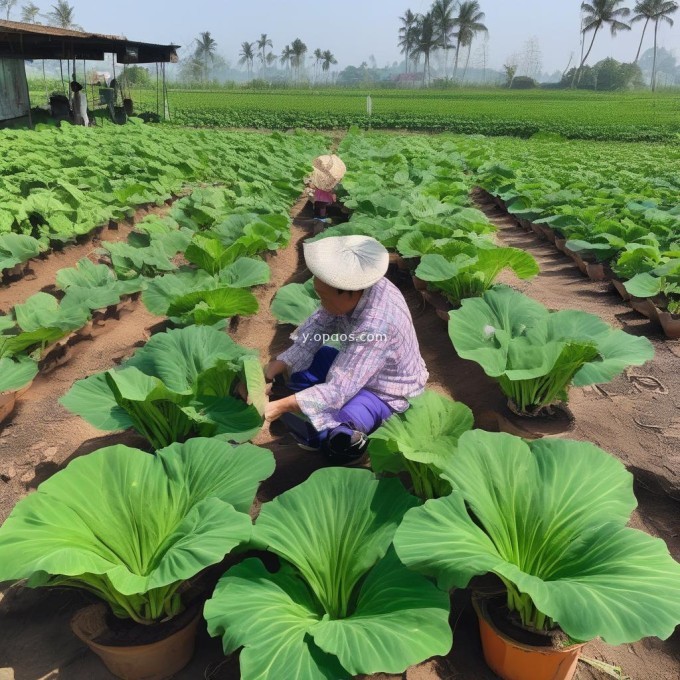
38 643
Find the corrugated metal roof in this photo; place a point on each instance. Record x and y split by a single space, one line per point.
40 29
35 41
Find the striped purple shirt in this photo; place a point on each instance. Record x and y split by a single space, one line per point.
383 355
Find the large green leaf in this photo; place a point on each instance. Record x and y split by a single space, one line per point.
399 620
245 273
340 588
15 374
276 645
208 307
18 248
123 523
43 311
549 517
420 441
295 302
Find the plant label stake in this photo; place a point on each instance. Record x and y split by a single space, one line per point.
369 109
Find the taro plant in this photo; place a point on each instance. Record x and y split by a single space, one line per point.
95 285
420 441
132 528
661 280
536 354
340 603
40 321
470 275
548 517
18 248
181 384
194 296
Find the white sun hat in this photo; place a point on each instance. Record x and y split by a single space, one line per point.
347 262
328 171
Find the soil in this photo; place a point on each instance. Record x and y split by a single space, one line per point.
37 642
509 624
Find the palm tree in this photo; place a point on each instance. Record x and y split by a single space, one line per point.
597 14
8 5
247 56
63 16
286 57
262 44
298 49
653 10
30 13
328 60
318 58
426 42
407 34
468 23
205 51
442 12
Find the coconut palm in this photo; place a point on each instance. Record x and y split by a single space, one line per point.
298 49
598 14
8 6
205 51
467 24
63 16
30 13
442 13
408 34
271 59
318 58
286 57
656 11
327 60
426 41
247 56
262 44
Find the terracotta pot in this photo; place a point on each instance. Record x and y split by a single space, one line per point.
525 224
621 289
580 262
645 307
536 228
559 244
512 660
548 233
156 661
670 323
7 403
419 284
397 260
595 271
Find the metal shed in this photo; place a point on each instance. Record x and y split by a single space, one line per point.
20 41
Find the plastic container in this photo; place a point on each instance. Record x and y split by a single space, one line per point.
512 660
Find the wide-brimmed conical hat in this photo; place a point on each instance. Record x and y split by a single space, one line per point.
347 262
328 172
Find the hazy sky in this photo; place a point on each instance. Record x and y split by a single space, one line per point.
355 29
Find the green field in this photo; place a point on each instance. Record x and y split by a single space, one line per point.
630 116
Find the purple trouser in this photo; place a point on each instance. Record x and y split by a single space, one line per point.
364 412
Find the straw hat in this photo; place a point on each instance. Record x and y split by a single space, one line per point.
347 262
328 171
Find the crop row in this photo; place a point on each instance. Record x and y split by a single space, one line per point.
614 206
58 184
621 117
215 229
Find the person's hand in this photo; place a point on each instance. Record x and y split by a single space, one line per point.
274 368
275 409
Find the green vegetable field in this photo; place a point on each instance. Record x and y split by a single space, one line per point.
630 116
150 276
